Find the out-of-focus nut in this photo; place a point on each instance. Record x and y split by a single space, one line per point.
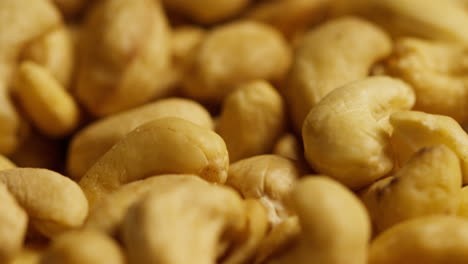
288 146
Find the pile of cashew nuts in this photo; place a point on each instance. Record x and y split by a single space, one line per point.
233 131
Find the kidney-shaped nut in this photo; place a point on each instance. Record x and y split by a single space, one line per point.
195 217
108 213
334 54
207 11
235 53
90 143
335 225
428 240
83 247
414 130
429 184
252 119
347 135
167 145
13 224
268 178
46 102
439 19
53 202
438 73
125 55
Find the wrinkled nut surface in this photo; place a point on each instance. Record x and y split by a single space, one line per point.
429 184
441 20
53 202
167 145
13 224
413 130
347 134
46 102
83 247
429 240
195 212
125 55
235 53
268 178
438 73
88 145
332 55
335 225
252 119
109 212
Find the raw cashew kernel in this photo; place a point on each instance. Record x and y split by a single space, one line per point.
429 184
347 134
167 145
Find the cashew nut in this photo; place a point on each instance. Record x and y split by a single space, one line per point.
346 135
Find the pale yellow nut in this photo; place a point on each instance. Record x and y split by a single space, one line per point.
335 225
439 20
55 52
93 141
83 247
332 55
426 240
235 53
463 209
429 184
53 202
207 11
413 130
125 56
252 119
6 163
49 106
109 212
438 73
288 146
268 178
13 224
347 134
195 217
167 145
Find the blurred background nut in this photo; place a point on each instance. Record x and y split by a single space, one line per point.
333 54
167 145
93 141
195 217
414 130
252 119
429 184
335 225
83 247
235 53
438 73
347 134
125 55
428 240
288 146
53 202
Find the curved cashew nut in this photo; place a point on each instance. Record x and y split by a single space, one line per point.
83 247
13 224
53 202
268 178
235 53
125 55
90 143
167 145
346 135
429 184
109 212
334 54
252 119
335 225
414 130
428 240
184 214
